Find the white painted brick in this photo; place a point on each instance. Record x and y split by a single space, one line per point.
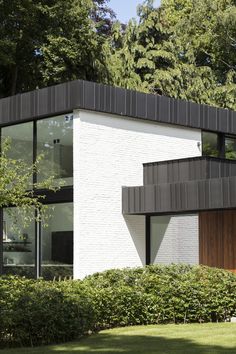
108 153
174 239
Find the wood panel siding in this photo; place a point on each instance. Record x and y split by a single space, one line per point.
217 239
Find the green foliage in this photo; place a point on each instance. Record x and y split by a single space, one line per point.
45 42
37 312
40 312
184 49
17 188
163 294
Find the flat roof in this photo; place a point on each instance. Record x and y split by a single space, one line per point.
92 96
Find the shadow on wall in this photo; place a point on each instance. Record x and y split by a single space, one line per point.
136 228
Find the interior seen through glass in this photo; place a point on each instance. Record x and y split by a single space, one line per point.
55 144
18 243
57 242
19 252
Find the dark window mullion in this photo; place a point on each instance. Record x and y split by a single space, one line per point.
34 148
148 239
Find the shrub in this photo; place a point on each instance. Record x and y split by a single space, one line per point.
42 312
163 294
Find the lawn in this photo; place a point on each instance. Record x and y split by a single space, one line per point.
163 339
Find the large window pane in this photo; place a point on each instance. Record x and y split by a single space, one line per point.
21 137
230 148
57 242
55 143
18 244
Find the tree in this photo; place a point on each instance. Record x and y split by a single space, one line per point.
184 49
17 188
44 42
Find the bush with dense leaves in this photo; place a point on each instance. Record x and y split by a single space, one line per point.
35 312
163 294
40 312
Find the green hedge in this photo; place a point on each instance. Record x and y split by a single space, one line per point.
163 294
42 312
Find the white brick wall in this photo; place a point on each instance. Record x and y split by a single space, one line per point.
108 153
174 239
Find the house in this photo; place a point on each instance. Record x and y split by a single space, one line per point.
147 179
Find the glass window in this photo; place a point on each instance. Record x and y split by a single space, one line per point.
210 144
55 143
21 142
230 148
57 242
18 244
159 225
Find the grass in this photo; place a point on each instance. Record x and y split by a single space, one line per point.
158 339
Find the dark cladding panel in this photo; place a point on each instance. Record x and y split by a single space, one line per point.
76 94
141 105
212 122
223 120
89 96
182 112
194 114
151 107
164 110
191 196
120 101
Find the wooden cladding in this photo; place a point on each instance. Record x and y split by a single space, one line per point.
217 239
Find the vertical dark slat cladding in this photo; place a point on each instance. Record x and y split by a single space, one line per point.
5 115
120 101
133 106
232 188
157 107
107 104
184 169
175 172
194 112
76 94
124 200
164 110
173 112
128 103
141 105
202 187
182 112
223 116
226 193
212 118
137 199
132 205
142 199
98 97
89 96
151 107
72 95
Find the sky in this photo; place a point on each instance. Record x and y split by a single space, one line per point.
126 9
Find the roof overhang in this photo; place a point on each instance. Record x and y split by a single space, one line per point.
197 192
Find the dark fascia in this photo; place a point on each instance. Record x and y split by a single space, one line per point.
181 197
86 95
193 168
